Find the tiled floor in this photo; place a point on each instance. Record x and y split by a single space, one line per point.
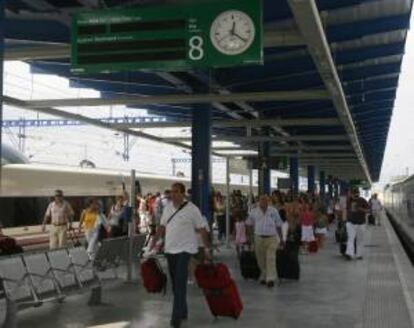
331 293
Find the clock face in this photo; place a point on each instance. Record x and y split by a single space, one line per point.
232 32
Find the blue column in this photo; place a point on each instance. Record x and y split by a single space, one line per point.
294 174
322 183
264 170
311 178
343 187
201 158
336 187
2 36
330 186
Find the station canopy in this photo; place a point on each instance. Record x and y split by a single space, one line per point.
325 93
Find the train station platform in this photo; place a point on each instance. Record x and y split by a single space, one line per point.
375 292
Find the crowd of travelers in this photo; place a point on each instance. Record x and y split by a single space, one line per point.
307 214
274 228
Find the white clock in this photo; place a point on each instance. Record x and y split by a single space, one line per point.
232 32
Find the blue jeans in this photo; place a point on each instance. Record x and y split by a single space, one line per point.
178 268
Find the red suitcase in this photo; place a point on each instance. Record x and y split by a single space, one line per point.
221 293
212 276
313 246
154 278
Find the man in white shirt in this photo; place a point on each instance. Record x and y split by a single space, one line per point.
180 223
376 208
59 214
266 224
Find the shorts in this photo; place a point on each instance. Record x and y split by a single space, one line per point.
307 233
321 231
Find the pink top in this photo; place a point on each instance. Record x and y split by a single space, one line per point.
240 232
308 218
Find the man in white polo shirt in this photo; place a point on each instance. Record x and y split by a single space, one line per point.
267 227
59 214
180 222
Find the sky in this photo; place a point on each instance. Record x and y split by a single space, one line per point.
399 151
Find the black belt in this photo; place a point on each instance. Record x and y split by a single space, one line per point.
262 236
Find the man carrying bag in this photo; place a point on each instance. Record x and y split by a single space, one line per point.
180 223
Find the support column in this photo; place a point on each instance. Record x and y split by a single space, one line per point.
264 170
294 174
201 158
131 228
2 36
336 187
228 201
251 200
343 188
330 186
311 179
322 183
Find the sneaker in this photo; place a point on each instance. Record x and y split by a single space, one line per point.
263 282
359 258
348 257
270 284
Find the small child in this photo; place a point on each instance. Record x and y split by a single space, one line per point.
241 235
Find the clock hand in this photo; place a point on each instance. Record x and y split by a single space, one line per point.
227 35
233 28
241 38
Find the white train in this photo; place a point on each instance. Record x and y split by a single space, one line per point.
35 180
399 201
26 188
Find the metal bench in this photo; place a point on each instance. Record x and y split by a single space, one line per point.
109 256
17 288
85 274
113 252
32 279
42 279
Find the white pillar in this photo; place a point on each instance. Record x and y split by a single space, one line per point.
131 228
250 200
228 201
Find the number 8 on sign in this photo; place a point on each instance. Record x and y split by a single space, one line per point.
196 48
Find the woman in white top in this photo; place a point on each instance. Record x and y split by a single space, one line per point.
115 216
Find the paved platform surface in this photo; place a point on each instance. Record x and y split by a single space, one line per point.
332 292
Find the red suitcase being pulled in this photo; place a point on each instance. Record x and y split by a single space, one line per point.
154 278
219 289
212 276
313 246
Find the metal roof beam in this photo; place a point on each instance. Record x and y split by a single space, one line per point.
314 148
183 99
95 122
310 25
282 39
38 53
324 156
240 123
326 137
287 148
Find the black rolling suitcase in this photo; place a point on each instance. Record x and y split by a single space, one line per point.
248 264
371 219
341 237
287 262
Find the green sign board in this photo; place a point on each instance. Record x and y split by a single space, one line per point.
171 37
